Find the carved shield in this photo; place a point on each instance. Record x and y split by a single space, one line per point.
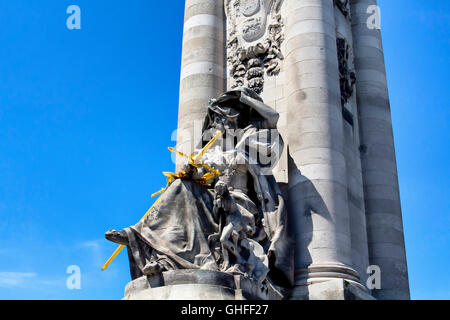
254 20
250 7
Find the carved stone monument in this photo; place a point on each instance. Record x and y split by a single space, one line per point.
220 228
320 67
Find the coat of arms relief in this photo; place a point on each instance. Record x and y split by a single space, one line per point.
255 34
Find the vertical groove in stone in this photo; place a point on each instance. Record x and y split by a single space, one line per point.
382 200
202 68
318 199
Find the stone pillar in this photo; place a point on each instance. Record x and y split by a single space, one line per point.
202 67
360 252
318 200
381 190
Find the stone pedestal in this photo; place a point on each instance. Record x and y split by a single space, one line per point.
336 289
198 285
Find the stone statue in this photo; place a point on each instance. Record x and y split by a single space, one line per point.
236 223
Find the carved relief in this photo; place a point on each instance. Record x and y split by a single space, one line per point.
254 40
347 74
344 7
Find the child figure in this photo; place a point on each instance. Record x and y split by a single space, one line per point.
239 224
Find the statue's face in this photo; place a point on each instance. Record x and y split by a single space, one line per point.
225 123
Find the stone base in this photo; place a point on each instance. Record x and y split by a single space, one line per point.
198 285
338 289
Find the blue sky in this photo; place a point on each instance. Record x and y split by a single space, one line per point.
86 117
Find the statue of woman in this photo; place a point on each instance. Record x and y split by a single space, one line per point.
236 222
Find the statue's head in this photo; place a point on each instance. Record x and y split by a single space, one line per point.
225 117
232 111
244 119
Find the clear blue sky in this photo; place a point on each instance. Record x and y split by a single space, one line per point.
86 117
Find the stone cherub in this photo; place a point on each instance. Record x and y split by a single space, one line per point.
238 225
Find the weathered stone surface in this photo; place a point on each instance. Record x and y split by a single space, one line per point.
331 290
382 202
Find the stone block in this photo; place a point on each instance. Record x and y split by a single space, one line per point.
198 285
338 289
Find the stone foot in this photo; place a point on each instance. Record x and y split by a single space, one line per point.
119 237
152 269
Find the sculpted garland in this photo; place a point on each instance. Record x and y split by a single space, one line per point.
255 34
347 75
344 7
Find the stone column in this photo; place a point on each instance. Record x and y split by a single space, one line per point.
381 190
202 67
360 252
318 201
